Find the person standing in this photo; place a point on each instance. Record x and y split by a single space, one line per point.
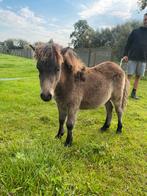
135 54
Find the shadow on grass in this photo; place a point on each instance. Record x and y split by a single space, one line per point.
45 119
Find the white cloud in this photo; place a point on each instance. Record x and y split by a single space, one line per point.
122 9
23 19
28 14
96 8
27 25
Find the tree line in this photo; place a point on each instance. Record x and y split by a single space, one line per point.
17 44
116 37
142 4
85 36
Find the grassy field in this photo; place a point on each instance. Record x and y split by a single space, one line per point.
33 162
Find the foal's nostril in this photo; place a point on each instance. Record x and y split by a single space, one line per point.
49 97
46 97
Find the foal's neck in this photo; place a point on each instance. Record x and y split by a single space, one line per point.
64 85
66 75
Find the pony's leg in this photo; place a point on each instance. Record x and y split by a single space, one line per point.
62 117
70 125
109 108
119 112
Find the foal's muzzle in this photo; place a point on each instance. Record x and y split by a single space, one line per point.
47 97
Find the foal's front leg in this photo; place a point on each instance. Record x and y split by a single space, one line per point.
70 125
62 117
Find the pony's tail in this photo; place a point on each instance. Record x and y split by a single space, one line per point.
125 92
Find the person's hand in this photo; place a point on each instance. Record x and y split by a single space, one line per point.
125 58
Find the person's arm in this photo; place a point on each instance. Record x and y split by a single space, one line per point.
128 45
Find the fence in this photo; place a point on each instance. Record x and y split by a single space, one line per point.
22 52
93 56
90 56
18 52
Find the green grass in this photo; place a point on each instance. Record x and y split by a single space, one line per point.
32 162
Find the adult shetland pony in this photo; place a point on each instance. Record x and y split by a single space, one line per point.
74 86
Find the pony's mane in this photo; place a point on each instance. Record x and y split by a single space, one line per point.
72 60
44 51
74 64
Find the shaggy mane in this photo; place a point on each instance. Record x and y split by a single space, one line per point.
44 51
72 60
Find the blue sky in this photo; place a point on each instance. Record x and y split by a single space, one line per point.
41 20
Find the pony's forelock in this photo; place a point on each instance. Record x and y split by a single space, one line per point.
44 51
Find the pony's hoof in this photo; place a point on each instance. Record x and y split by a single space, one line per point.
104 128
67 144
58 136
118 131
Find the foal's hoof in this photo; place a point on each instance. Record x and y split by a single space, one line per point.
58 136
68 143
104 128
118 131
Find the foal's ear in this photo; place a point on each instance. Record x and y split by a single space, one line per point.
57 53
68 61
68 65
33 48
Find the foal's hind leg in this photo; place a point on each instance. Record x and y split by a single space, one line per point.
119 112
109 108
62 117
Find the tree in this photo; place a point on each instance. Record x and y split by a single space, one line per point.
9 43
15 43
142 4
116 38
22 43
83 34
103 38
120 35
51 41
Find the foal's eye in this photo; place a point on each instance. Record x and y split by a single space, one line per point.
57 69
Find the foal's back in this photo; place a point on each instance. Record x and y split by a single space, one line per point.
108 69
100 83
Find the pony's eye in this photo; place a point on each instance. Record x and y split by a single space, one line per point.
57 69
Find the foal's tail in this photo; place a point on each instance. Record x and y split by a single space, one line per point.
125 92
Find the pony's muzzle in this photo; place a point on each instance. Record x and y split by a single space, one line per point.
47 97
